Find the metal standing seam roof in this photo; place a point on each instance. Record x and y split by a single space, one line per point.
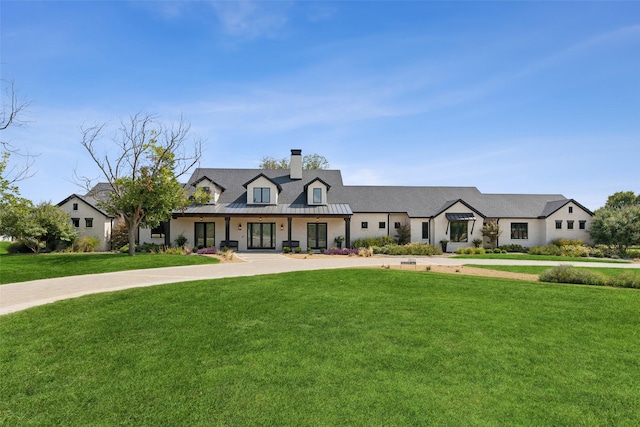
339 209
460 216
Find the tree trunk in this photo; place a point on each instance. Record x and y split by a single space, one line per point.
132 239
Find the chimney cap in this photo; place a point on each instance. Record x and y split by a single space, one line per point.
296 152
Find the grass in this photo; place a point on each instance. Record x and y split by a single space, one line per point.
20 268
538 258
538 269
3 247
333 347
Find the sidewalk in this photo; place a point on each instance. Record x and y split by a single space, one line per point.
19 296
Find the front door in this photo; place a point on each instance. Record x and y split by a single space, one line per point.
205 235
317 235
261 235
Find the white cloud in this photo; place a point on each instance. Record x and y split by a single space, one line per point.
251 19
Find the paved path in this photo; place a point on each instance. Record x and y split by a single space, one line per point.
19 296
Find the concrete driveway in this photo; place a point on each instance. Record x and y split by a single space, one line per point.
19 296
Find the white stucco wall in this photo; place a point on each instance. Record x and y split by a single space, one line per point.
263 182
551 233
536 232
322 187
441 229
101 228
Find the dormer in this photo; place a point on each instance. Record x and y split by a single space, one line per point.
210 187
316 191
262 190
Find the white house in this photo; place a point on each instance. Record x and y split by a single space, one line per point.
88 219
256 209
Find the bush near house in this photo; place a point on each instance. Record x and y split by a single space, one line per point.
372 241
409 249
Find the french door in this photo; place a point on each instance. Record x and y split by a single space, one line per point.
261 235
205 234
317 235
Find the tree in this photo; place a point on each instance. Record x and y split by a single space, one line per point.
491 230
622 199
143 169
38 227
403 235
309 162
619 226
13 107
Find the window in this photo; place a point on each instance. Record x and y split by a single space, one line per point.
261 235
425 230
569 225
207 190
75 206
570 209
88 222
205 235
582 224
159 231
317 195
396 225
519 230
459 231
317 235
558 224
382 224
364 224
75 222
261 195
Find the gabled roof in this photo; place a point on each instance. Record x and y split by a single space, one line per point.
82 199
262 175
453 202
194 184
314 180
553 207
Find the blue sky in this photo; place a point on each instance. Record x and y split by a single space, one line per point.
510 97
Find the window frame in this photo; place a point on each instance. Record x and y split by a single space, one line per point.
160 231
570 224
519 231
425 230
558 224
261 192
75 206
316 196
75 222
382 225
88 222
364 224
582 224
459 231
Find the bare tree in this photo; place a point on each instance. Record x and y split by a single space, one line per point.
142 168
13 108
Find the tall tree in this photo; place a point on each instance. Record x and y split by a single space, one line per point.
13 108
309 162
142 169
622 199
618 222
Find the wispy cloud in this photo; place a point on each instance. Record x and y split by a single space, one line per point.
252 19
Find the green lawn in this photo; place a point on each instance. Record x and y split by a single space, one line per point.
538 269
333 347
3 247
539 258
20 268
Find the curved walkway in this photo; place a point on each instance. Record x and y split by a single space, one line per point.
19 296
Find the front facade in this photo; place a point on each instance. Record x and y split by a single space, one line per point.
253 209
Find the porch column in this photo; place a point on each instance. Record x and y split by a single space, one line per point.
227 226
289 221
347 232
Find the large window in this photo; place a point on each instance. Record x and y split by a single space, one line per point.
317 195
262 195
458 231
519 230
159 231
317 235
205 235
425 230
261 235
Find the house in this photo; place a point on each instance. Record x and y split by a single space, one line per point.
88 219
255 209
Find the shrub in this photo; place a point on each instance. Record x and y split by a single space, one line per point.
119 236
476 243
365 252
513 248
181 240
309 250
286 249
497 251
569 274
344 251
633 253
18 247
85 244
410 249
567 242
124 249
298 249
373 241
207 251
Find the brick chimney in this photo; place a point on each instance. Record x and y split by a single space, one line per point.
295 165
